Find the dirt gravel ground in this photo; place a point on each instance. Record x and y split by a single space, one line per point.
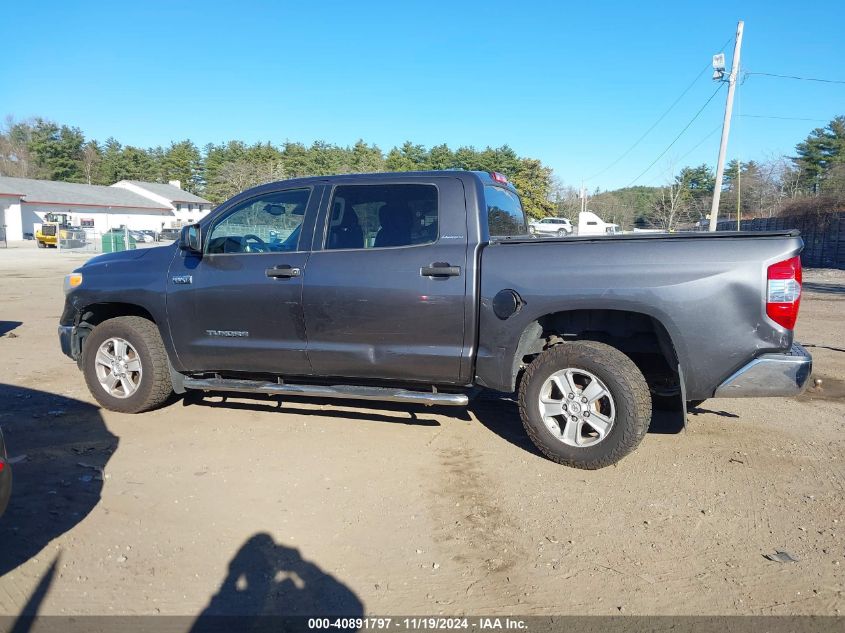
318 506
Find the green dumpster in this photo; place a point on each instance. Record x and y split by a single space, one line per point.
116 240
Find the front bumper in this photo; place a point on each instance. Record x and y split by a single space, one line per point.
66 340
783 374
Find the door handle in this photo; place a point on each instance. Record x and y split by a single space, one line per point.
284 271
440 269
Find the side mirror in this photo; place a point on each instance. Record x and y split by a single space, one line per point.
191 239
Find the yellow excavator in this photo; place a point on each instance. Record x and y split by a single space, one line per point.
56 229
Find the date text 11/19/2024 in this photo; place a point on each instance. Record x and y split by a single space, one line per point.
418 623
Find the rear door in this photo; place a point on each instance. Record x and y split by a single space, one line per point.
385 285
237 307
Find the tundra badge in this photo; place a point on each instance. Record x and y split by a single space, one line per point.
182 279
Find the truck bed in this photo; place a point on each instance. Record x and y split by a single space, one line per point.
687 235
707 290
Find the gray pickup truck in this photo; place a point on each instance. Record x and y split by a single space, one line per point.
424 287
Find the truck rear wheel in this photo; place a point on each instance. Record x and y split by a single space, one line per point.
584 404
126 366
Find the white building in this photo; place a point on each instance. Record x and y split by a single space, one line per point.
132 203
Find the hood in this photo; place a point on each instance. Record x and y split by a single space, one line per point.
120 256
151 252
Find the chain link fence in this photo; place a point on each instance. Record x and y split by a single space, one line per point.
114 240
823 233
266 233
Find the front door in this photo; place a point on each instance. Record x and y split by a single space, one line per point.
238 306
385 287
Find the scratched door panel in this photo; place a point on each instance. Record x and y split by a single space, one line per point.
233 317
374 311
238 306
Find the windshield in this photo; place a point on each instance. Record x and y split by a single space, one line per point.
505 217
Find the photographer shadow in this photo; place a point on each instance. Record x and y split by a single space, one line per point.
62 446
268 582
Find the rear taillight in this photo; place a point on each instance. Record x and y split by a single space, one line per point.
783 292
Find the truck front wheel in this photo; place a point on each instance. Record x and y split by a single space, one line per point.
584 404
126 366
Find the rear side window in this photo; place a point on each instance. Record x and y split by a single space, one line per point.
505 217
382 216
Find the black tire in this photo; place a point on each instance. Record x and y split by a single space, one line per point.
562 233
40 244
154 386
626 385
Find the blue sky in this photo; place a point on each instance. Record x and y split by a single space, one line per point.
573 84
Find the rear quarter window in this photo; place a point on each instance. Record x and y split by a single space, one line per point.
380 216
505 217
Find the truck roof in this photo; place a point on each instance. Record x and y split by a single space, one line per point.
486 178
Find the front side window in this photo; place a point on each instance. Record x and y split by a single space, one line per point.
382 216
267 223
505 217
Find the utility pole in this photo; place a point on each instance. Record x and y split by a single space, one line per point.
726 127
583 197
738 194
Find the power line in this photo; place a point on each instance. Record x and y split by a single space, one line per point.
782 118
826 81
701 142
680 134
662 116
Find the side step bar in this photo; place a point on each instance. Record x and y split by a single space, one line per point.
383 394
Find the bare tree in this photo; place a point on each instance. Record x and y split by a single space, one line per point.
612 207
236 176
273 171
15 159
667 209
90 160
567 199
671 207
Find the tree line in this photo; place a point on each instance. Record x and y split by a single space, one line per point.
38 148
813 180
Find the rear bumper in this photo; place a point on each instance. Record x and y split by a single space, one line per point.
784 374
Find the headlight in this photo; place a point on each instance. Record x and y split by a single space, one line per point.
73 280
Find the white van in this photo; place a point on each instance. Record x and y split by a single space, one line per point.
591 224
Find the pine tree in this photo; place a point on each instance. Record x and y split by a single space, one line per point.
823 149
181 161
